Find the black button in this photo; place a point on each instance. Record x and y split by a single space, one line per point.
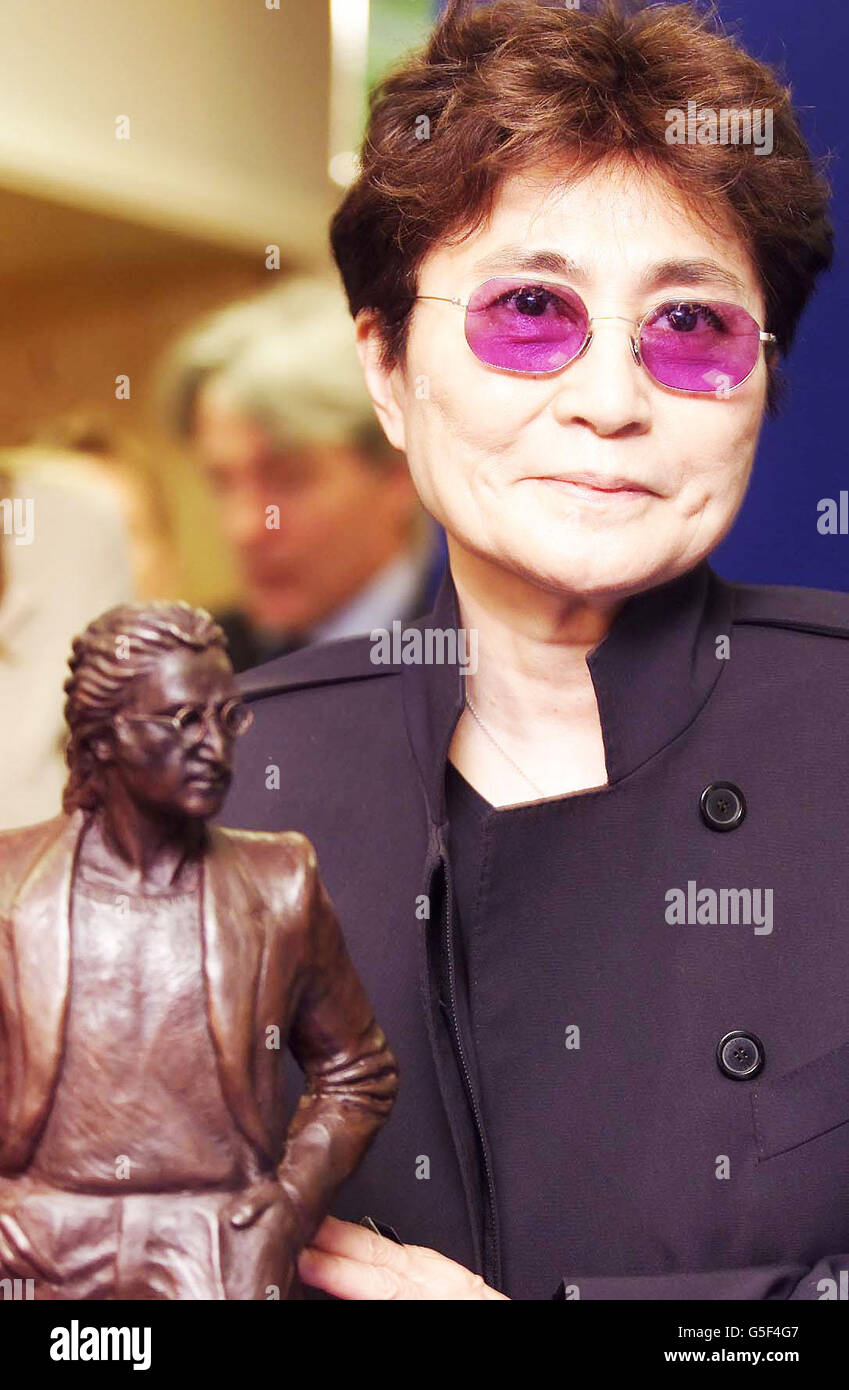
740 1055
722 805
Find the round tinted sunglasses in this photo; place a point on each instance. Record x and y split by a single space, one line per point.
538 328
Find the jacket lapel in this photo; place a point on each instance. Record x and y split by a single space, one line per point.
652 674
433 698
41 942
233 938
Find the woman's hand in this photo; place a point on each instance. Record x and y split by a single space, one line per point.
352 1262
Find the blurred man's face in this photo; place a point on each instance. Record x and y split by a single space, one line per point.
309 527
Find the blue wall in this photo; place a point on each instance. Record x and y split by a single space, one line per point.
803 455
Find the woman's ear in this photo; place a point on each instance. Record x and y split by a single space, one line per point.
382 384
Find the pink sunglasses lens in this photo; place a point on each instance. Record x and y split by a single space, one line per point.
705 348
525 326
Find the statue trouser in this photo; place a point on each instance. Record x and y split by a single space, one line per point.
140 1245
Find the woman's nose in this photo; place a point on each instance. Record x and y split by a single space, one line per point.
606 388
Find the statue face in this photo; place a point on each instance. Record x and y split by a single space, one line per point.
158 766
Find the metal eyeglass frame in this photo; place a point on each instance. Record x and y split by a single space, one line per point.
634 338
172 721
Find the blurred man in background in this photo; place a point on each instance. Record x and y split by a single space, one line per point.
327 530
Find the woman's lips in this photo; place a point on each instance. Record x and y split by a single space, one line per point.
597 489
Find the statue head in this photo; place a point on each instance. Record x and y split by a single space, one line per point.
152 710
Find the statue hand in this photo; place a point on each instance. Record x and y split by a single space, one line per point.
260 1234
252 1202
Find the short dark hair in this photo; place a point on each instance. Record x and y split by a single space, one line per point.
123 643
517 83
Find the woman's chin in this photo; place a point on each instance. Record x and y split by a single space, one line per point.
593 570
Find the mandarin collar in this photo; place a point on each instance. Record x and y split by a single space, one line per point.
652 673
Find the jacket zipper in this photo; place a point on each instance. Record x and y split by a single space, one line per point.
492 1272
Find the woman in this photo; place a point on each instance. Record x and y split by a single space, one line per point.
590 878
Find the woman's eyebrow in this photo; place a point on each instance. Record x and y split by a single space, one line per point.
519 258
687 271
691 272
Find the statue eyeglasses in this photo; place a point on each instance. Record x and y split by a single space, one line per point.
191 722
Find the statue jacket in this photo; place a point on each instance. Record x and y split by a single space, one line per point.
277 978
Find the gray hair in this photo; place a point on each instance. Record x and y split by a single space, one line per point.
288 361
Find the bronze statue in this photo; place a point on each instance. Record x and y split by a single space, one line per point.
153 971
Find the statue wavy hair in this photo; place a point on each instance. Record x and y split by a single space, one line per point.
125 642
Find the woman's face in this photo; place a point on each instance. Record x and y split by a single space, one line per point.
518 469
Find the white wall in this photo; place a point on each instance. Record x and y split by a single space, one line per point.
228 114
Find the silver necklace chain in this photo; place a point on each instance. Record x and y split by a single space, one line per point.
503 751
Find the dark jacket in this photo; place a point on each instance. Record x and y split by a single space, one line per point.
735 1185
247 648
